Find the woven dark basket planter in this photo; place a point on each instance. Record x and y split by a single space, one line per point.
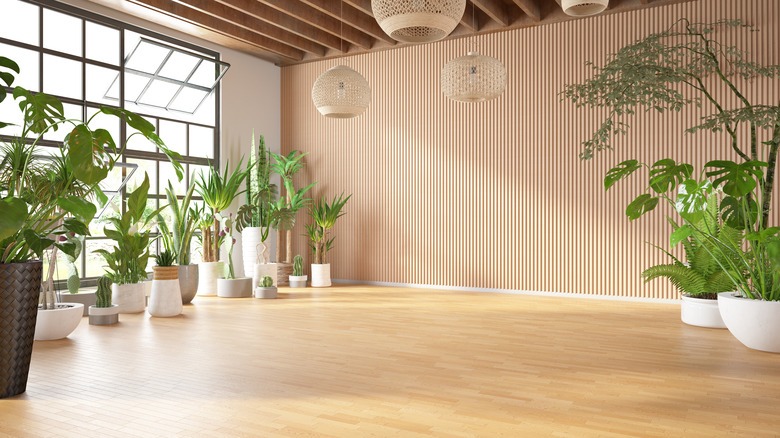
20 285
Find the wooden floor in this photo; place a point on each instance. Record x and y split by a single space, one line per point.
358 361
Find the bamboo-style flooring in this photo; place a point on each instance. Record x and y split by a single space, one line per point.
365 361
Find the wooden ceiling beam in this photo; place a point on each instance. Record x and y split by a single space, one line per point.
214 24
315 18
286 22
351 17
530 8
494 9
363 6
469 18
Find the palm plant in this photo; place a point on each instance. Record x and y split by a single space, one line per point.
218 192
178 238
325 215
287 167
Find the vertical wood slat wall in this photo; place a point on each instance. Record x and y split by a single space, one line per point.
493 195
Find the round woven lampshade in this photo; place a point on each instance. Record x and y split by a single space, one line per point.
341 93
583 8
418 21
473 78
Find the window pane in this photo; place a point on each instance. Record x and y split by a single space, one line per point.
140 143
168 174
105 121
61 77
99 80
179 66
150 167
102 43
174 135
61 32
159 93
72 112
95 262
188 100
29 66
97 225
10 113
201 141
147 58
206 74
134 85
24 26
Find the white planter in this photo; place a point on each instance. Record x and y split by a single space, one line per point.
131 298
266 292
104 315
261 270
298 280
188 282
165 299
208 273
755 323
234 287
250 238
701 312
320 275
59 322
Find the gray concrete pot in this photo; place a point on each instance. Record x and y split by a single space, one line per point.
266 292
188 282
103 315
298 280
234 287
87 298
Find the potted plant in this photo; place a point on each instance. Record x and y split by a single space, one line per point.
103 312
165 299
325 216
218 192
230 286
178 240
266 290
36 212
127 260
298 279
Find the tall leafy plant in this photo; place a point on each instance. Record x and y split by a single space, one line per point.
177 239
287 167
324 215
260 192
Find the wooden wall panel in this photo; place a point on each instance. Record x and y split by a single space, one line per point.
493 195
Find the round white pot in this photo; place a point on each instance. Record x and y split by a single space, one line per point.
701 312
298 280
234 287
59 322
261 270
250 238
165 299
266 292
131 298
104 315
188 282
755 323
87 298
320 275
208 273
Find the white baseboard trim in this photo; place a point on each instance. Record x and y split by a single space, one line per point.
513 291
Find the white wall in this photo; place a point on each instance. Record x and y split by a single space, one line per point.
250 99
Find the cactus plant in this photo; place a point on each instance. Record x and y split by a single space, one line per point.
103 292
298 265
267 281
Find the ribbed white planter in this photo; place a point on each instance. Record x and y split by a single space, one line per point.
320 275
261 270
298 280
234 287
250 238
701 312
755 323
59 322
188 282
208 273
131 298
165 299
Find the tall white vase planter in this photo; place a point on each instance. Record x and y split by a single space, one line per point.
129 298
208 273
320 275
755 323
165 299
250 239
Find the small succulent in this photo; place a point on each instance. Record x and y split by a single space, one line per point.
165 258
103 292
267 281
298 265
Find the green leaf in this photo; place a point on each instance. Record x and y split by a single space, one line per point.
82 151
41 111
75 226
691 201
665 175
80 208
732 212
36 242
679 235
622 170
69 248
13 218
641 205
7 77
136 202
738 179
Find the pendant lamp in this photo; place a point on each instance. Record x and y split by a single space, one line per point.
341 93
473 78
583 8
418 21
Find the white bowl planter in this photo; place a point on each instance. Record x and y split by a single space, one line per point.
188 282
59 322
261 270
701 312
320 275
165 299
208 273
234 287
755 323
103 315
131 298
266 292
250 238
298 280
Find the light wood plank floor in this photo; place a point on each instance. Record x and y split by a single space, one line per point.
359 361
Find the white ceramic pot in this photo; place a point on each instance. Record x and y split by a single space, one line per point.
266 292
87 298
104 315
320 275
165 299
188 282
250 238
755 323
131 298
261 270
234 287
298 280
59 322
701 312
208 273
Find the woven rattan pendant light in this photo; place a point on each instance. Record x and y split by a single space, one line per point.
473 78
418 21
341 92
583 8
